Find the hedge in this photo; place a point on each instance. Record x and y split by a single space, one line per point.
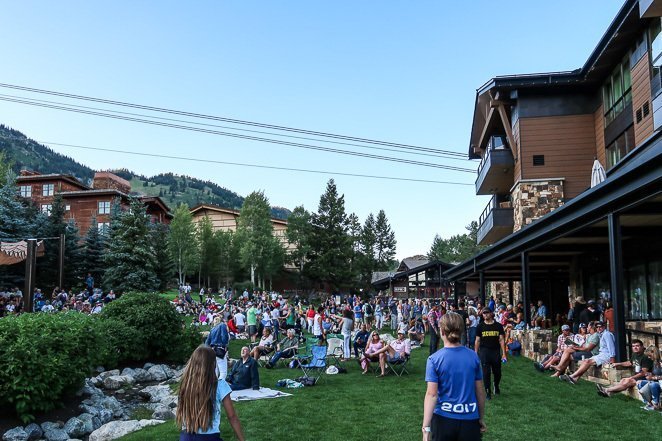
46 357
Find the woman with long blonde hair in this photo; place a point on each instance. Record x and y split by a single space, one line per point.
200 395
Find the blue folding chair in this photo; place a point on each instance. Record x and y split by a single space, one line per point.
315 363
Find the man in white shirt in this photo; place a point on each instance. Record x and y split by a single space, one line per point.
398 350
240 321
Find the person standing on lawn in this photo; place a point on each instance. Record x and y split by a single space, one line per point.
491 348
454 403
433 320
201 394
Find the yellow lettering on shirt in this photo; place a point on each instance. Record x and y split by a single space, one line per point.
489 333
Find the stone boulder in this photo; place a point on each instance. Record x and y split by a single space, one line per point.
90 422
170 401
51 426
75 427
160 372
115 382
117 429
141 375
15 434
34 431
56 435
155 393
163 413
147 366
113 405
106 374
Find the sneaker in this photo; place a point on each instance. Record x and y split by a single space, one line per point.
497 391
648 407
539 367
568 379
488 396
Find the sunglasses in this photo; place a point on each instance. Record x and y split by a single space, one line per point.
487 312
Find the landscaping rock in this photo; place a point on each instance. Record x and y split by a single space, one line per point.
160 372
51 426
15 434
89 390
113 405
105 415
163 413
117 381
155 393
90 422
75 427
106 374
148 365
56 435
117 429
96 381
99 369
34 431
141 375
170 401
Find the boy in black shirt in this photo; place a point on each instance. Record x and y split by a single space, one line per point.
490 346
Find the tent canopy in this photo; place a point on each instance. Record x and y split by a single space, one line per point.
16 252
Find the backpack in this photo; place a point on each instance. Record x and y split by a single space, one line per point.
306 381
368 309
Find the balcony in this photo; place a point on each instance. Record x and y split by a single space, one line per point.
495 171
496 222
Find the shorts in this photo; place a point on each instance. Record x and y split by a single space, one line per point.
447 429
395 358
578 355
252 329
600 359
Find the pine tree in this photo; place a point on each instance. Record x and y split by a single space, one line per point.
93 251
73 256
129 260
331 247
48 265
164 266
367 241
384 242
209 263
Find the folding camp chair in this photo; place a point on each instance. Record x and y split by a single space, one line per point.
398 367
264 357
316 363
334 350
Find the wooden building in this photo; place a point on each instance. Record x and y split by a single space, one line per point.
554 237
414 277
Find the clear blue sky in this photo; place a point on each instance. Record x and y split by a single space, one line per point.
399 71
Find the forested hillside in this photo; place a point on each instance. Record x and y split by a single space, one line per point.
174 189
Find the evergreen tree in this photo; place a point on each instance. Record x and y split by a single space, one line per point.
182 243
129 260
384 242
165 268
331 247
5 168
254 234
298 234
73 256
227 261
93 252
457 248
367 241
48 265
354 231
209 263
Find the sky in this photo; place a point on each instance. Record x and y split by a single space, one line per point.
397 71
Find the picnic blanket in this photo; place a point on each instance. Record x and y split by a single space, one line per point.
250 394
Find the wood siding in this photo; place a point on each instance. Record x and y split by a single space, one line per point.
641 94
568 144
517 169
600 152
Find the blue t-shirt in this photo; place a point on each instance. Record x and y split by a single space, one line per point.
358 312
455 370
222 390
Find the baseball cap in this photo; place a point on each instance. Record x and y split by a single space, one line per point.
565 328
400 331
599 324
582 325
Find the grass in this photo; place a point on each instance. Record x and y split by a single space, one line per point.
352 406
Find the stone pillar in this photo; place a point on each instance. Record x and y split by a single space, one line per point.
532 199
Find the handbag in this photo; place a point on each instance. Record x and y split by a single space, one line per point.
220 351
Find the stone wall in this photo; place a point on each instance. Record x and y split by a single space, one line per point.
500 290
533 199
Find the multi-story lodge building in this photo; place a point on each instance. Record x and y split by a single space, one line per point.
552 236
82 203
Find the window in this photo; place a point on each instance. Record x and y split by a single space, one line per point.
620 147
103 227
47 190
655 38
104 207
617 90
26 191
46 209
67 208
655 283
638 294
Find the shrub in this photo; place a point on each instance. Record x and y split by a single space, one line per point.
121 343
158 326
44 356
188 340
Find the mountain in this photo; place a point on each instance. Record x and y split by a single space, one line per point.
174 189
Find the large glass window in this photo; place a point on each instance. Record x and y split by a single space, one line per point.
617 90
655 286
46 209
47 189
620 147
655 38
104 207
638 292
26 191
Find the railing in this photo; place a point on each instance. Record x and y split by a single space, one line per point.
491 205
495 143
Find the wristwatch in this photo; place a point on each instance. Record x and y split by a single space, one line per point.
427 429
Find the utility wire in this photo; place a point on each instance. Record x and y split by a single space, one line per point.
441 155
229 120
247 137
182 158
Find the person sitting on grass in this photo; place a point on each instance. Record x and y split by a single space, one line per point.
416 331
287 348
590 348
641 364
651 387
244 373
398 350
561 346
265 346
606 355
361 340
373 353
200 397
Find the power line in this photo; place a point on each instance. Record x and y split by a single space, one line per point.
239 164
440 155
247 137
229 120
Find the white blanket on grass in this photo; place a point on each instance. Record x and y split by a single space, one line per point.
250 394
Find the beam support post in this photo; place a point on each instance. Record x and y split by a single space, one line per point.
526 286
617 292
30 274
481 287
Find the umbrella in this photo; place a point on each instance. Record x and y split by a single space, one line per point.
597 174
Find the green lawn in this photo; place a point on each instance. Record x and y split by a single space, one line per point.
361 407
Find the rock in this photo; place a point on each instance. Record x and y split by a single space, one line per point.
104 375
147 366
163 413
56 435
105 416
15 434
89 390
117 381
155 393
99 369
91 409
157 373
128 372
90 422
75 427
34 431
113 405
117 429
96 381
51 426
141 375
170 401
